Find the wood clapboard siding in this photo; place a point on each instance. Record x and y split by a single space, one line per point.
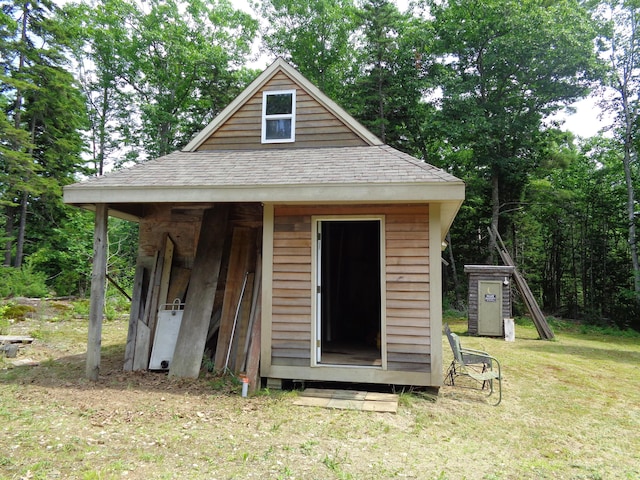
291 307
408 329
407 296
315 125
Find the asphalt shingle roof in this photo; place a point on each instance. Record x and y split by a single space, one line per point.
378 164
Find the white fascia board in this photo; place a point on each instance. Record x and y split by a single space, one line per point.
370 193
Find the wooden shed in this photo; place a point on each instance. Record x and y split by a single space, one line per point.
489 298
287 212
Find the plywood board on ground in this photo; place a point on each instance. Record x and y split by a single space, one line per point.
348 400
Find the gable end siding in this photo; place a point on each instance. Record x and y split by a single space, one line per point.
315 125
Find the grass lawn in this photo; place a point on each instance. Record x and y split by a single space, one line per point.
570 410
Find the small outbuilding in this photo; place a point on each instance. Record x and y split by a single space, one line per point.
287 212
489 298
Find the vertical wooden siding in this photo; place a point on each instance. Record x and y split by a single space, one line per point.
291 310
315 125
407 291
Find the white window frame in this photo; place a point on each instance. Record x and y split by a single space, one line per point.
284 116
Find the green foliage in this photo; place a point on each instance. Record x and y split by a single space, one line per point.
17 312
315 36
4 320
24 282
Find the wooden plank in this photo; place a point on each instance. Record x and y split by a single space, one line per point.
409 277
292 301
292 267
178 284
98 287
15 339
241 337
167 262
410 295
407 269
285 319
408 348
242 249
293 276
252 362
191 340
134 317
405 259
539 320
142 347
151 315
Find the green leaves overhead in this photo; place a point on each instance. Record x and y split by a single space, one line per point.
166 66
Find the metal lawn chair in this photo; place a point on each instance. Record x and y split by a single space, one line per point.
474 364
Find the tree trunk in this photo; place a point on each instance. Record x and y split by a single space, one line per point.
21 230
8 231
627 160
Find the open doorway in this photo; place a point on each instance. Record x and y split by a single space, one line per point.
349 312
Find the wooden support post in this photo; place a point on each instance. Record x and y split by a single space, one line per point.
98 281
187 357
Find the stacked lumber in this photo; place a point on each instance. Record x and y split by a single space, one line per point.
221 290
146 299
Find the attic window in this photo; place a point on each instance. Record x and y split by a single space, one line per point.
279 116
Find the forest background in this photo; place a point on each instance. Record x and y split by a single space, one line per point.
471 86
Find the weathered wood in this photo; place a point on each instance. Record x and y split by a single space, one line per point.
242 249
98 280
134 316
142 347
238 353
167 262
156 300
178 284
15 339
252 367
544 331
190 344
255 302
118 287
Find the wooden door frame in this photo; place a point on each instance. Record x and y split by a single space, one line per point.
315 277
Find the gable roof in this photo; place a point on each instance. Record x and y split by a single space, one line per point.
370 173
280 65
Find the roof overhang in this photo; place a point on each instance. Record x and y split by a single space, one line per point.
128 202
274 193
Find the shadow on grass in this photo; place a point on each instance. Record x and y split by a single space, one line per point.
69 372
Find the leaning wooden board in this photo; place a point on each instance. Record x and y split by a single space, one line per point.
190 344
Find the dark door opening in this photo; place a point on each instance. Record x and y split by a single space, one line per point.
350 292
